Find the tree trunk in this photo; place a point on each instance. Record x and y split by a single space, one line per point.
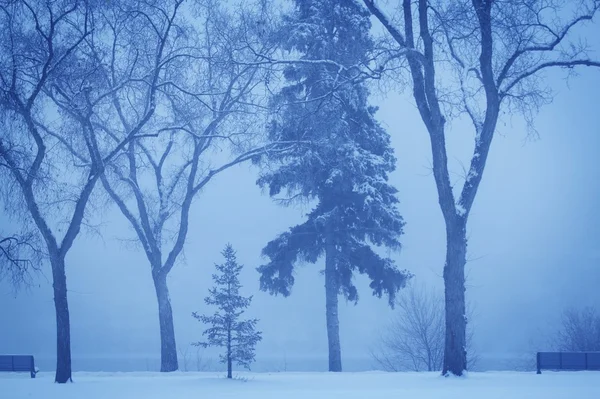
455 352
168 348
331 310
229 352
63 326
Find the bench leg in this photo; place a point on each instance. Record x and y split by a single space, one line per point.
33 374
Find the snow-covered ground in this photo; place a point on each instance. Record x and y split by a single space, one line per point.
365 385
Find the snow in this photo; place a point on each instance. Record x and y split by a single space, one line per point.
489 385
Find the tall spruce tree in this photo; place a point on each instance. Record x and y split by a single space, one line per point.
238 337
345 169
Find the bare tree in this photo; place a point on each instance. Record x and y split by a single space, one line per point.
476 58
184 357
49 94
38 40
414 339
579 331
201 363
208 99
142 47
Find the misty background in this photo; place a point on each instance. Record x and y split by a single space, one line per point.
533 250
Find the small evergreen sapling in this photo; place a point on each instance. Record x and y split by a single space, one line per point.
238 337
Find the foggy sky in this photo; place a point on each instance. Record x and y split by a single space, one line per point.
533 247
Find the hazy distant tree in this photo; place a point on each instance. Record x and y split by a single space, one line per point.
414 339
344 169
579 331
209 102
239 337
480 59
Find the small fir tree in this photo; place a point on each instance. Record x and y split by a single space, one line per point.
238 337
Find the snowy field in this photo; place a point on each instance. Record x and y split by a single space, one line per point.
366 385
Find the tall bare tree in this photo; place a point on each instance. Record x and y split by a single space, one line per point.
209 99
477 58
39 39
51 95
138 48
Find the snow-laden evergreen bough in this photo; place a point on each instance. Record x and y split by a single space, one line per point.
344 169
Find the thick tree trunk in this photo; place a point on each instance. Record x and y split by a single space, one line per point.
331 311
63 326
168 347
455 352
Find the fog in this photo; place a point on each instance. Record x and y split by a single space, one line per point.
533 250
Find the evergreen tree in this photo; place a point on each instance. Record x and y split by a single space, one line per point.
345 169
238 337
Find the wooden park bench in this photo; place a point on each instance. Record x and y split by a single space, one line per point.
573 361
18 363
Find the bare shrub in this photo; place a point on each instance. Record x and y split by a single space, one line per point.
414 338
579 331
